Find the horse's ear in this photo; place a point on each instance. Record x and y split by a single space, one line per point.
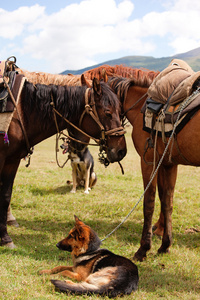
96 86
84 81
104 75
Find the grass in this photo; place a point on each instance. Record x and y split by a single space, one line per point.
44 208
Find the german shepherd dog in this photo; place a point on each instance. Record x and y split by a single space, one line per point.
98 271
82 165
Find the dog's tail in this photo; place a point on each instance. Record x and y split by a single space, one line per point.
99 282
77 288
102 282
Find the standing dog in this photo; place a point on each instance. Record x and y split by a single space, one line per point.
99 271
82 165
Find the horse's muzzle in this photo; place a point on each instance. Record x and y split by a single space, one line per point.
114 155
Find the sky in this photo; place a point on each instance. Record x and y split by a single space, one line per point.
54 36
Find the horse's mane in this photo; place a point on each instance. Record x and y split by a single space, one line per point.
47 78
68 100
141 77
37 98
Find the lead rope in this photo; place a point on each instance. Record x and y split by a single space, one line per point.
184 104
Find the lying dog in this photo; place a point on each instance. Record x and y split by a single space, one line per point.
99 271
82 165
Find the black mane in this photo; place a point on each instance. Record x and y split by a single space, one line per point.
108 98
120 86
68 100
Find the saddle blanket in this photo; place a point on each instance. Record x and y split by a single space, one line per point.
166 124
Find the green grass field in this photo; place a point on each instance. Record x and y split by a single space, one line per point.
45 208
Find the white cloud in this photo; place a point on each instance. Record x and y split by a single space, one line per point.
13 23
74 36
79 32
184 44
185 5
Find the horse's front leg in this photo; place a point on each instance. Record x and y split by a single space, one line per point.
158 227
7 178
148 209
10 218
167 184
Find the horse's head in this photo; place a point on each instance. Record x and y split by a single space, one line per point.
102 120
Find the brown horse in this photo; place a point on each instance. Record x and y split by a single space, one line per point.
38 121
132 93
47 79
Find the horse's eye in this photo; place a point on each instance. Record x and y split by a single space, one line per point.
108 114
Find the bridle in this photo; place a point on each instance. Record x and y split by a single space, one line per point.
90 109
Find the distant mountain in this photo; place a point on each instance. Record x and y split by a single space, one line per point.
149 62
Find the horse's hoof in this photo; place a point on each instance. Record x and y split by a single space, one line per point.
13 223
161 251
139 257
10 245
154 227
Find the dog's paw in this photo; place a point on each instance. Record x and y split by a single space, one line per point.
73 191
45 272
86 192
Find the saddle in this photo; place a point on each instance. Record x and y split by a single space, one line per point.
170 89
15 83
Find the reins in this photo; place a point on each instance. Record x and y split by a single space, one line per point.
184 104
134 104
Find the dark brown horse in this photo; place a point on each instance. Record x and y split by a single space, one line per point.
132 93
38 120
48 79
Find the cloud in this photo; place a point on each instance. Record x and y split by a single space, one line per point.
14 23
74 37
79 32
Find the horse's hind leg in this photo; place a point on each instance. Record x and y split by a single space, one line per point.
167 185
148 209
7 178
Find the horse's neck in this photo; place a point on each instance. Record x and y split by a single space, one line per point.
135 99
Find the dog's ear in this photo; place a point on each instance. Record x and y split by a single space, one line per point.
80 228
78 222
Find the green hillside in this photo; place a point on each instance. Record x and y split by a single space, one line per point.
149 62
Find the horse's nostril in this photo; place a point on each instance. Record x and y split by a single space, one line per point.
121 153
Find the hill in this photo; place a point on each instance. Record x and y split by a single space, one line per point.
149 62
